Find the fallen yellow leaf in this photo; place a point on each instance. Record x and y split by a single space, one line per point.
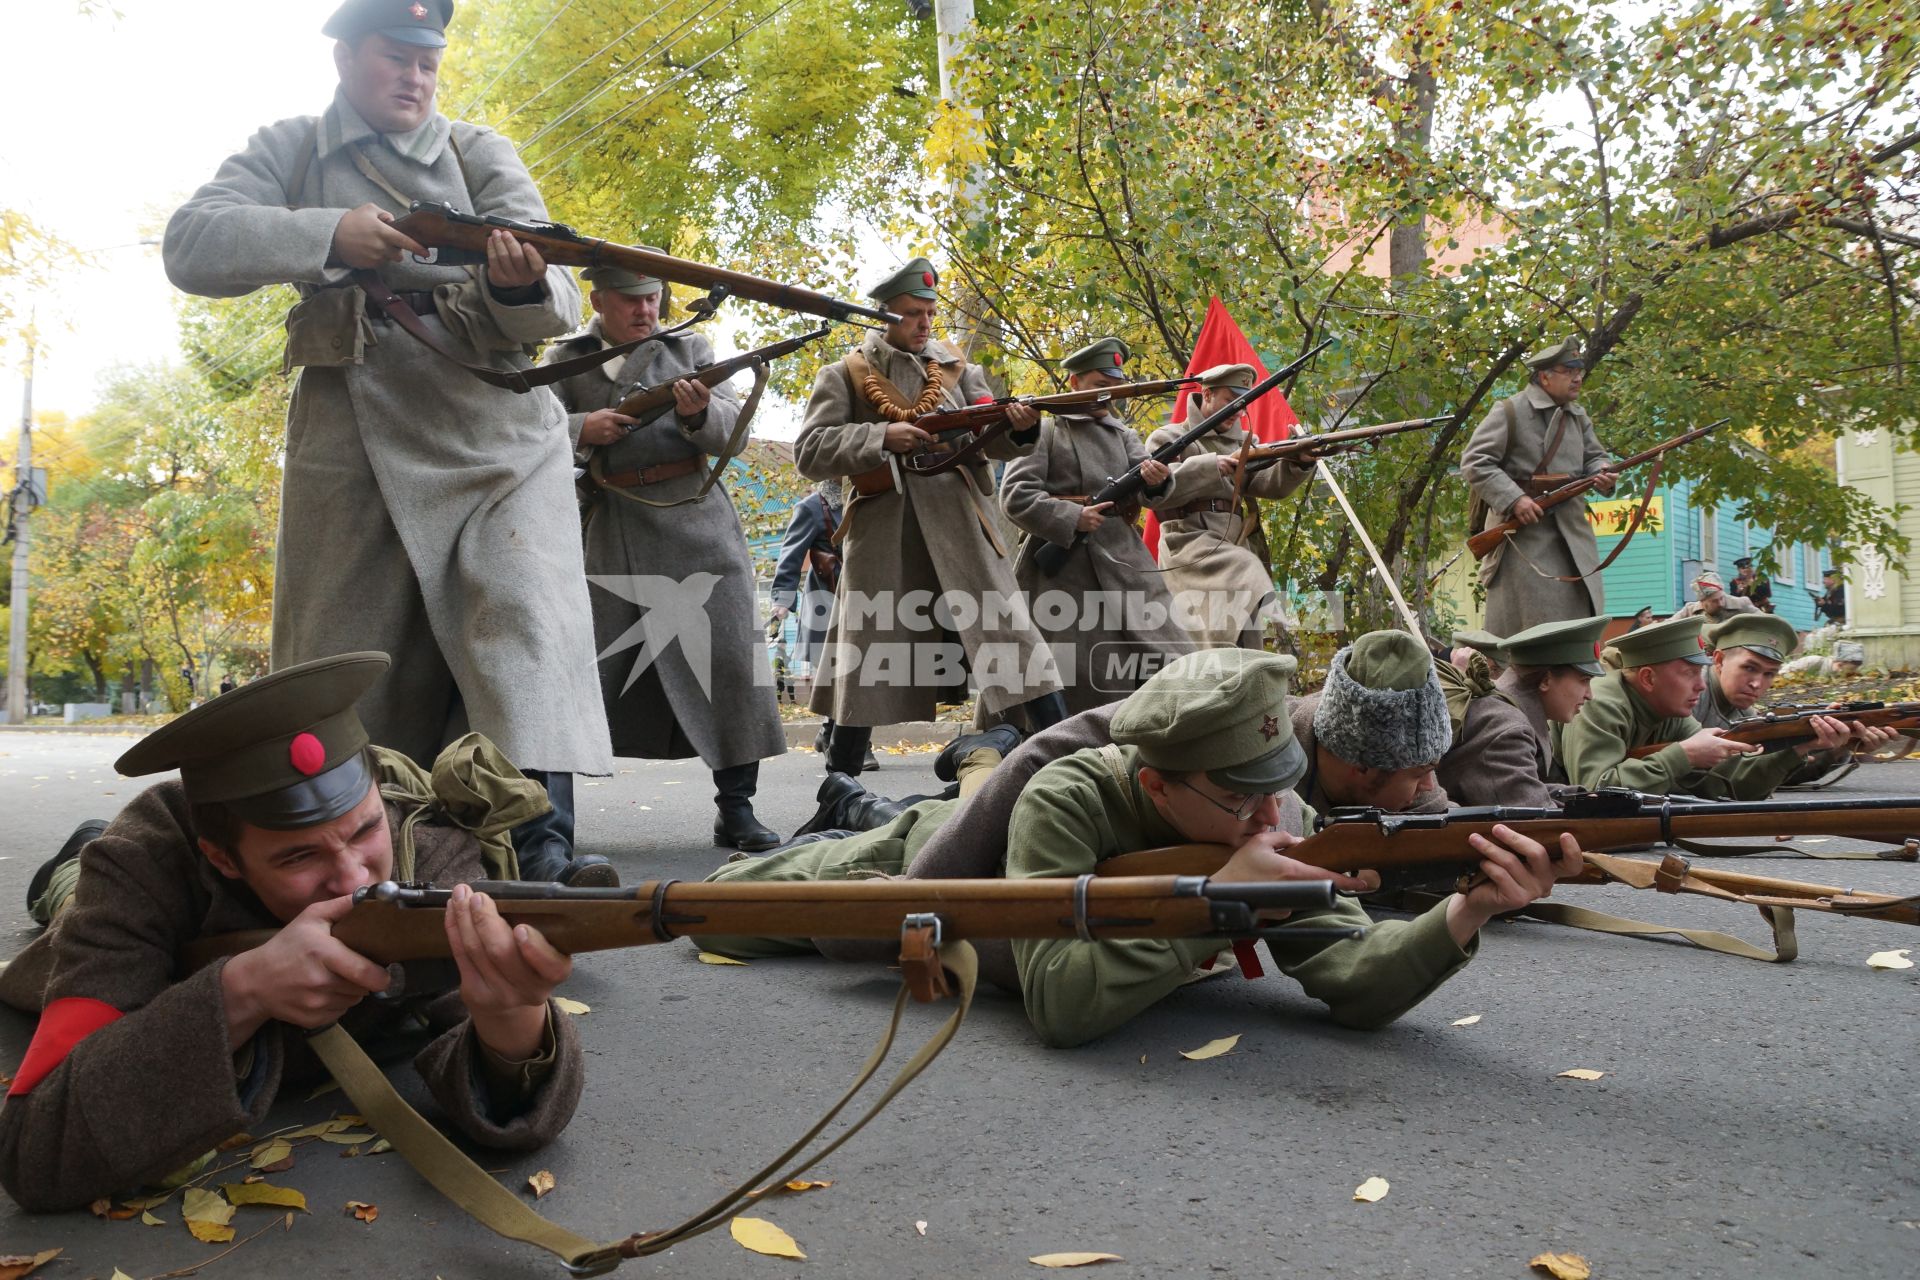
147 1219
322 1089
348 1121
237 1140
348 1137
1211 1049
1078 1259
1372 1190
1582 1073
265 1193
325 1126
270 1153
572 1006
708 957
1465 1022
15 1265
149 1202
762 1236
1890 959
541 1183
118 1274
210 1232
100 1208
380 1148
1562 1266
202 1205
362 1210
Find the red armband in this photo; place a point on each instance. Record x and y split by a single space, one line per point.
983 400
63 1024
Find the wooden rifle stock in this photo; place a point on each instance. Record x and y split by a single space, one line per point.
1482 544
390 923
1334 442
1781 732
460 239
989 421
646 401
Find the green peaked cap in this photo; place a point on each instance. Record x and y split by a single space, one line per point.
1220 711
1663 642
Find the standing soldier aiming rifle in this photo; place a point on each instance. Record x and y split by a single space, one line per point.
1529 444
906 532
1225 592
1121 626
658 509
424 513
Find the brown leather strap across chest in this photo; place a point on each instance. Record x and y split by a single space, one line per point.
420 301
652 475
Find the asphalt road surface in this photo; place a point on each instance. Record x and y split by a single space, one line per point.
1754 1120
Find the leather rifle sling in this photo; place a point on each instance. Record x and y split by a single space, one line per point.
435 1157
727 454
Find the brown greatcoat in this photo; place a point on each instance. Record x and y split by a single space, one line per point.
710 697
1111 623
157 1087
1497 463
423 513
1502 752
1223 591
884 662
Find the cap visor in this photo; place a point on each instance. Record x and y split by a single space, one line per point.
425 37
318 799
1275 771
1697 659
1588 668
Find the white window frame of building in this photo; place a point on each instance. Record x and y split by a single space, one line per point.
1788 569
1709 539
1813 565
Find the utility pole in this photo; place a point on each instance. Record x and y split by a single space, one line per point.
23 499
953 22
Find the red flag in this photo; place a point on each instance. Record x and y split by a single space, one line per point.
1270 418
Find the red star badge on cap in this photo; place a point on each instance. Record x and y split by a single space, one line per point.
1704 646
1116 359
306 754
928 277
1270 728
419 12
1596 648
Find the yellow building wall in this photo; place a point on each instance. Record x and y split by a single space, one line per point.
1883 605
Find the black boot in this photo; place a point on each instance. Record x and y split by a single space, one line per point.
1046 710
1002 738
848 749
735 827
83 835
847 806
544 844
821 738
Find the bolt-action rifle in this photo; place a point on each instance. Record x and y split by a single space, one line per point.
460 239
1482 544
1415 850
644 402
1784 730
1333 443
988 420
1051 557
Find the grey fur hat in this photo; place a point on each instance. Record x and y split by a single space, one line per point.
1383 706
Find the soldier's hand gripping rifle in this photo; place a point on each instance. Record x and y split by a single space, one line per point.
1333 443
988 421
1482 544
392 923
644 403
1782 731
1051 557
1419 850
460 239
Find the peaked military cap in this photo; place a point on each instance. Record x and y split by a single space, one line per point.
1481 641
917 280
1764 633
1108 356
284 752
1567 351
1574 643
1663 642
1221 711
1240 377
421 22
621 280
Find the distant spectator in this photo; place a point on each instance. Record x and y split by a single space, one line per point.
1644 618
227 684
1751 583
1833 603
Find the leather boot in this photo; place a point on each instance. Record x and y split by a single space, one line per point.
735 827
1002 738
846 806
83 835
847 749
821 738
1046 710
544 844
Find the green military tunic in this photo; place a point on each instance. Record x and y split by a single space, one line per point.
1595 745
1074 813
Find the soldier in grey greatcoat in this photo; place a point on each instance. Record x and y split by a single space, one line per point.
1224 592
1114 625
922 555
663 541
424 512
1528 444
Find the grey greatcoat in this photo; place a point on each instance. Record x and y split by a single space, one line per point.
1114 625
1497 462
1223 592
423 513
1503 750
710 694
882 663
